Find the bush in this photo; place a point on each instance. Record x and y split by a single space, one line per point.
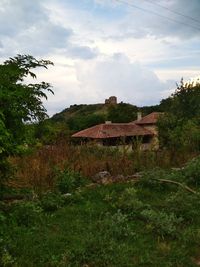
128 201
161 222
116 225
51 201
6 259
184 204
68 181
192 172
26 214
2 217
149 179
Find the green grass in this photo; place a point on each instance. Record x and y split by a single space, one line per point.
103 226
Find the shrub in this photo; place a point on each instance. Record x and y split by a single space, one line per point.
6 259
51 201
150 178
184 204
68 181
2 217
117 225
26 214
129 202
192 172
161 222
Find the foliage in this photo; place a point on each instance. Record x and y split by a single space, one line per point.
20 102
68 181
79 117
150 179
51 201
94 232
116 226
122 113
180 127
186 100
161 222
185 205
48 132
128 201
191 172
80 122
177 133
26 214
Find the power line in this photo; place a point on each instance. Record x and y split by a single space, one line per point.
157 14
173 11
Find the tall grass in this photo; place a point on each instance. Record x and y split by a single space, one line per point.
38 169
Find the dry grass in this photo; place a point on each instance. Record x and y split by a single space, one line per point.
37 170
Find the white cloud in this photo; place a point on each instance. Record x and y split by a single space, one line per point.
116 75
101 47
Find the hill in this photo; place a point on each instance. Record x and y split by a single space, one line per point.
78 117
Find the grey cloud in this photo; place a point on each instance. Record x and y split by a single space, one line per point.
16 16
25 27
139 24
82 52
44 39
131 82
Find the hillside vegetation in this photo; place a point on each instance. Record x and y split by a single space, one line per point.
135 223
54 211
78 117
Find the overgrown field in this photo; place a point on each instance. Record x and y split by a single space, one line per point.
148 222
38 170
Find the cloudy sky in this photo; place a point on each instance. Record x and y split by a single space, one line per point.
134 49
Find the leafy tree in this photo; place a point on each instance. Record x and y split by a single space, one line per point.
48 131
184 103
122 113
20 102
79 122
180 127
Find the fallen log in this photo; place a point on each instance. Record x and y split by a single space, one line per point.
177 183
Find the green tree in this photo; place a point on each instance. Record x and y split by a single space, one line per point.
20 102
122 113
179 129
48 131
184 103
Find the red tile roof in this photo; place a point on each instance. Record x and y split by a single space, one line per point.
110 130
151 118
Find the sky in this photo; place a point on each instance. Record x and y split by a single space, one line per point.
133 49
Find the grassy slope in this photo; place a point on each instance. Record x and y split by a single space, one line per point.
98 109
97 228
79 110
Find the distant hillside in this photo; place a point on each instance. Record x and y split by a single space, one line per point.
79 110
78 117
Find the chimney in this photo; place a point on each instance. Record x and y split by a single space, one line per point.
139 115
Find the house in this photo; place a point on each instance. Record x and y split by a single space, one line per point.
117 134
149 122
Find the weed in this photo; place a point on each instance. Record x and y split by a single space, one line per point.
51 201
68 181
26 214
184 204
192 172
161 222
129 203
